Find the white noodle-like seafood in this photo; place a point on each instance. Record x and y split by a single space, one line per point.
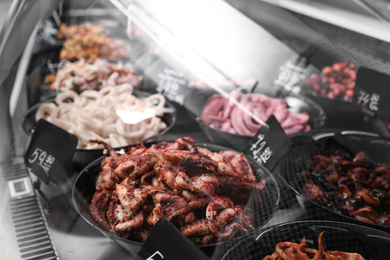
94 115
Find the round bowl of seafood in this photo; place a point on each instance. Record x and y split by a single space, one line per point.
93 73
233 119
212 194
117 116
344 173
313 240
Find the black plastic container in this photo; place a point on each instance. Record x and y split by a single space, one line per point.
338 236
296 104
298 160
84 189
83 157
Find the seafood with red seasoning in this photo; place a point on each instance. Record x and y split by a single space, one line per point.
334 82
291 251
354 187
237 113
90 40
202 193
92 74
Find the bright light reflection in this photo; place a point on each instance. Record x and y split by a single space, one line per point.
134 117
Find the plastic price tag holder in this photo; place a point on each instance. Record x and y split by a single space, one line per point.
167 242
372 92
50 152
269 144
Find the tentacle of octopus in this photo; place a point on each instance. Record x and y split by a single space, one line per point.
227 213
115 213
134 223
320 252
184 143
203 240
143 234
166 173
187 159
200 203
366 197
295 253
366 214
209 162
132 199
230 230
165 205
171 203
99 206
239 163
106 146
237 183
137 165
280 248
156 214
203 185
146 175
107 178
200 227
336 255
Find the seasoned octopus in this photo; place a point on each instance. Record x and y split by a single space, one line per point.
202 193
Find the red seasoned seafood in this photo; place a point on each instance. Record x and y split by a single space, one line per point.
237 114
334 82
90 40
356 188
292 251
202 193
92 74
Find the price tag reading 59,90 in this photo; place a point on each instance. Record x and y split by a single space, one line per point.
42 158
50 152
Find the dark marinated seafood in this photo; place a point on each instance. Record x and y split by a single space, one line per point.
203 193
292 251
356 188
222 113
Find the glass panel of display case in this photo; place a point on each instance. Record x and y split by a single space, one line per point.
178 109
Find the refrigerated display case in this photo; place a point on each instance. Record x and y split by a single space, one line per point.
223 68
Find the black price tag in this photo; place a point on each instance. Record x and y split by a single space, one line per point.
372 92
167 242
291 75
269 144
50 152
173 85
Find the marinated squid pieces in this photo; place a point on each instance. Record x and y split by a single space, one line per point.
94 115
292 251
202 193
353 187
